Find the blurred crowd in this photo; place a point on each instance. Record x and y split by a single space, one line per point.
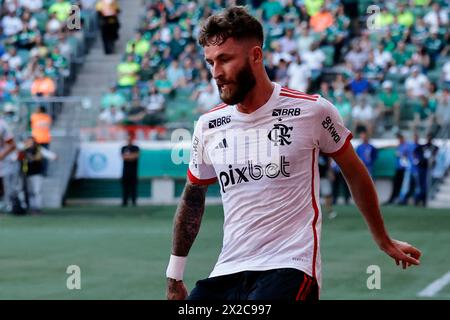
418 166
42 45
384 74
36 47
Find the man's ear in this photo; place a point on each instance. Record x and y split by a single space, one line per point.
256 55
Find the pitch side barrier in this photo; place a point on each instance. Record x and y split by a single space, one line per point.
163 166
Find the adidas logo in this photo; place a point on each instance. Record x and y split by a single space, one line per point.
222 145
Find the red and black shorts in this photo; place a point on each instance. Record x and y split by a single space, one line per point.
276 284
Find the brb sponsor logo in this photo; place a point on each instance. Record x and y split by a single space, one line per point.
286 112
219 121
253 172
329 125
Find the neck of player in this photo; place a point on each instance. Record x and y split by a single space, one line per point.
258 96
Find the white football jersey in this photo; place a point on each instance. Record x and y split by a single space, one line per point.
266 165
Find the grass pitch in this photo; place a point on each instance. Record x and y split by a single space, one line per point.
123 253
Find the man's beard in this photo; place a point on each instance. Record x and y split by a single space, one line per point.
245 81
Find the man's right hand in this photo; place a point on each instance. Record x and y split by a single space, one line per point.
176 290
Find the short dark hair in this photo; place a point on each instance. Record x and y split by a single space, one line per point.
234 22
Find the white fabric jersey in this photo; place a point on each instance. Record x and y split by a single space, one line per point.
266 165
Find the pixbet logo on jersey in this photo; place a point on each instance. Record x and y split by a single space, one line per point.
255 172
219 121
329 125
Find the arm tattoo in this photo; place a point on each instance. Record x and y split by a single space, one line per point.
188 218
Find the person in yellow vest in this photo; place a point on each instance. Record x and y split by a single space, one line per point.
41 123
62 9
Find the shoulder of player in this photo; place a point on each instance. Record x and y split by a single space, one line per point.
219 110
298 95
315 102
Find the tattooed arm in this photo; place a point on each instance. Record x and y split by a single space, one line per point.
185 229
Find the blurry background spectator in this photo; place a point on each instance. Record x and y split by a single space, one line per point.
108 13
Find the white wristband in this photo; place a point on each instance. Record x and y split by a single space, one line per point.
175 269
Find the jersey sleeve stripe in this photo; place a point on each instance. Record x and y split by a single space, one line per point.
342 149
220 106
316 213
196 180
295 96
284 89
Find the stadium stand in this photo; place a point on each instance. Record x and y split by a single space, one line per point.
40 54
385 72
43 45
385 65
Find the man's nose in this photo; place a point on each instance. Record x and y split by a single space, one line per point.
217 71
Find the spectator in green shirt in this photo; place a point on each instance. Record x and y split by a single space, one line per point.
113 99
50 70
433 44
271 8
421 3
138 46
147 71
389 43
60 62
162 83
26 39
433 97
384 19
423 114
313 6
405 17
389 104
419 31
62 9
401 58
177 43
128 72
